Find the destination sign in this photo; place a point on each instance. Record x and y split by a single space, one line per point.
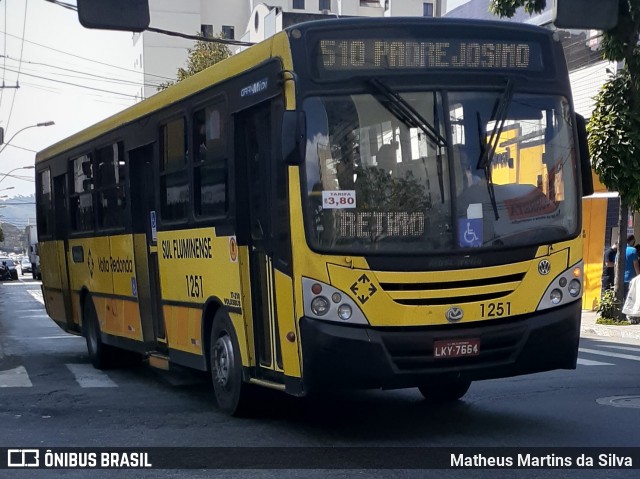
341 55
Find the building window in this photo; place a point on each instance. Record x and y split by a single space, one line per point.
324 5
427 9
207 31
298 4
228 32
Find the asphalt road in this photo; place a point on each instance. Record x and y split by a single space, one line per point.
50 396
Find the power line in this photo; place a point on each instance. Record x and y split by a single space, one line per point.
21 148
101 77
24 27
87 59
162 31
75 84
224 41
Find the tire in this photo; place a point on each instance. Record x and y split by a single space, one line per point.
100 354
225 364
445 392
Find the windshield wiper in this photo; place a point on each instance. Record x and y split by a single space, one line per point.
403 110
488 149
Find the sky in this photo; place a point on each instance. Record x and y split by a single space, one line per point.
67 74
451 4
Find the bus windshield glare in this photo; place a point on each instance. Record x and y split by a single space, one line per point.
430 171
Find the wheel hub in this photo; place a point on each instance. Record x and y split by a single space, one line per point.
223 360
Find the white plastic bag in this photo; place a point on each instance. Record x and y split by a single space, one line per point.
632 303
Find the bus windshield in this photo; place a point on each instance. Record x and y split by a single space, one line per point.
431 171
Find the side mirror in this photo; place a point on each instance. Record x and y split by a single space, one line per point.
585 160
293 137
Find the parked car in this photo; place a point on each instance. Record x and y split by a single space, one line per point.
25 266
8 262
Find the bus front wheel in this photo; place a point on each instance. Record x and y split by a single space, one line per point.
443 392
99 353
225 364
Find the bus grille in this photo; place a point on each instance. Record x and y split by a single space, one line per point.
449 292
413 350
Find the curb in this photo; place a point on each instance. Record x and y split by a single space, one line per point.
612 331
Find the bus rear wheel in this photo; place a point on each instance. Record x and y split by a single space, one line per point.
446 391
225 364
100 354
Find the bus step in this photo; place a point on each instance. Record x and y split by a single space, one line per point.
267 384
159 361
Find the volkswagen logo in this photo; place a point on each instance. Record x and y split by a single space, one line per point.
544 267
454 314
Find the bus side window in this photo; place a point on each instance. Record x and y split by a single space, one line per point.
81 193
111 186
210 168
174 179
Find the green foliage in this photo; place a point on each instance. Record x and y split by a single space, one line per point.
377 191
614 138
608 308
612 322
507 8
201 56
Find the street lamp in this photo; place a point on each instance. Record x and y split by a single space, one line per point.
4 175
44 123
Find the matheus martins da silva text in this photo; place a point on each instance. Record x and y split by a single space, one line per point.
548 460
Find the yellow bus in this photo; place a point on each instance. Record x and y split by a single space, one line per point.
360 203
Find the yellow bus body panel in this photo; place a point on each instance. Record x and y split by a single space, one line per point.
195 265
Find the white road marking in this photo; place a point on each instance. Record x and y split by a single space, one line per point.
610 354
37 295
15 378
624 348
589 362
89 377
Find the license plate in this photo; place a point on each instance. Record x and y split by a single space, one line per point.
456 348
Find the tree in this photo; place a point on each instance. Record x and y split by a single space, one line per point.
202 55
614 133
1 234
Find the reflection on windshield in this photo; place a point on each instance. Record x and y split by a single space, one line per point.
378 183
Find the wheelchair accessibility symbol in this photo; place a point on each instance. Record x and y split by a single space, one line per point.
470 232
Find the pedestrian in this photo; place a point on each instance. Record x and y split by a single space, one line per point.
631 266
608 272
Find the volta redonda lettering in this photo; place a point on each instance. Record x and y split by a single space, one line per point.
185 248
452 54
115 265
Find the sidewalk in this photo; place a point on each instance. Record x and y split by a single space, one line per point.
589 326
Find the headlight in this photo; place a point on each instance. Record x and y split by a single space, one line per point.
574 287
320 305
565 288
325 302
344 311
555 296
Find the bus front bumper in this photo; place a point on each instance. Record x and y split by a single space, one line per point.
336 355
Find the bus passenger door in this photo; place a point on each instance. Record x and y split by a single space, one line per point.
253 179
145 246
61 227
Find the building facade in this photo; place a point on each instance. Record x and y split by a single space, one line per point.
157 57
